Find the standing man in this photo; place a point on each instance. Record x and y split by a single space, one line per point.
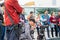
11 18
58 23
2 27
45 20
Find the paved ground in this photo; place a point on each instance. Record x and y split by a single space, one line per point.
35 35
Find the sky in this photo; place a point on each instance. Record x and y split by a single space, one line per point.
42 3
39 3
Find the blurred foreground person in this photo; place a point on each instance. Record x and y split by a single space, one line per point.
11 18
29 29
53 24
2 27
58 21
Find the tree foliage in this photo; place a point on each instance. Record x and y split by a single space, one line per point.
41 10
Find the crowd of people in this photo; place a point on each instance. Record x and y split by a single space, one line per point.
14 26
52 22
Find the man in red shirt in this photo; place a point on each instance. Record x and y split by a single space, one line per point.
13 9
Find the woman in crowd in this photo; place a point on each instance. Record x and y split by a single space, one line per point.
53 23
38 23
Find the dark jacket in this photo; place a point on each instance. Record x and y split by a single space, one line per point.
1 15
22 16
58 19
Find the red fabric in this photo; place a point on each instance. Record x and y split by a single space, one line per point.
59 19
14 10
51 18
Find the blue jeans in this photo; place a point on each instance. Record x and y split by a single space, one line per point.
56 30
2 32
11 33
59 30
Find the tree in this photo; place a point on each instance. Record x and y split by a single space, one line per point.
41 10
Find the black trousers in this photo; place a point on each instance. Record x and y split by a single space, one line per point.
59 30
37 30
48 31
52 30
56 30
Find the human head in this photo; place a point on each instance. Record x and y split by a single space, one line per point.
31 22
59 12
31 13
46 12
2 5
38 15
53 14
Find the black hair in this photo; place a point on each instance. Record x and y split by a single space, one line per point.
31 12
2 4
51 13
45 10
58 10
33 20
